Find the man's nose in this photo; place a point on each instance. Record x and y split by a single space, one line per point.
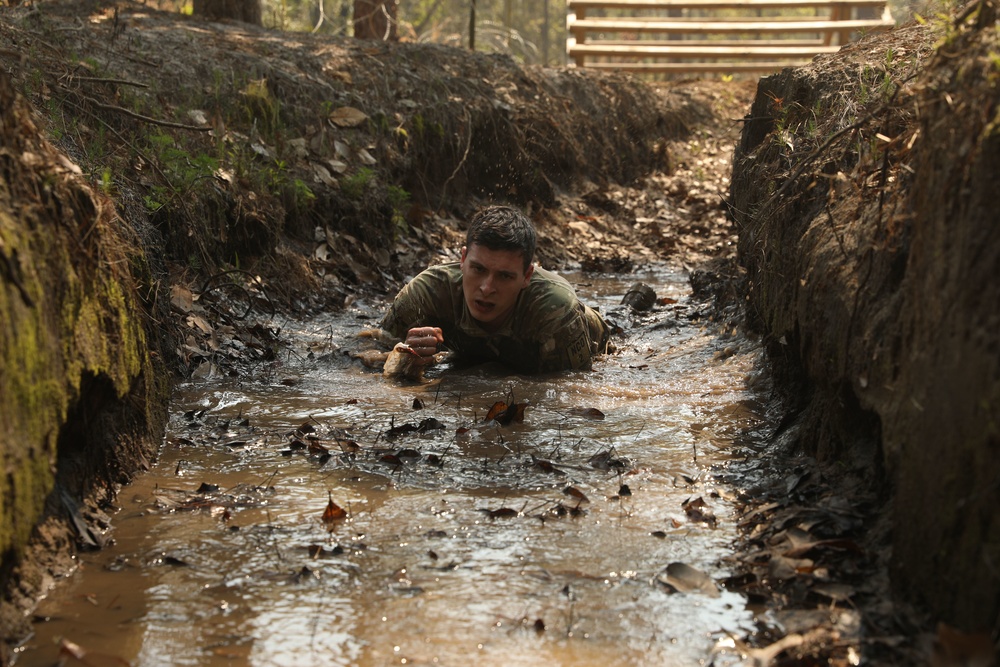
487 285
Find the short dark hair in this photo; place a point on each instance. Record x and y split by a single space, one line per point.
503 228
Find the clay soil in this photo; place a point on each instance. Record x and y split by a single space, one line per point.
294 173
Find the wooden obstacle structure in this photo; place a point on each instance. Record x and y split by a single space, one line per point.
723 36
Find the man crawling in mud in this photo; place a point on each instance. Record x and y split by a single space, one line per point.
496 306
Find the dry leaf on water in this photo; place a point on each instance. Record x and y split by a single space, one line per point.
504 414
333 514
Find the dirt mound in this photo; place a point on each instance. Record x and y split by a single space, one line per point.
861 190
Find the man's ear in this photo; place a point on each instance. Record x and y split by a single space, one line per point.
527 274
463 255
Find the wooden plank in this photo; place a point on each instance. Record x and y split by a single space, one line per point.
704 50
688 39
716 4
690 67
583 26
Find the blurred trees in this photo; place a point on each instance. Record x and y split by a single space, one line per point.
532 31
375 19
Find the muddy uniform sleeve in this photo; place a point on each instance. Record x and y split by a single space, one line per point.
427 300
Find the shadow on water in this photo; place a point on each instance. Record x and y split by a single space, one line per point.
539 542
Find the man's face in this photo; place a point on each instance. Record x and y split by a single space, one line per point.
491 281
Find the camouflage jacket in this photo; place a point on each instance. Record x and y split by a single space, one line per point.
549 330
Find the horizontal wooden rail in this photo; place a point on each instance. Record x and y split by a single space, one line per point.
580 6
727 26
714 35
706 49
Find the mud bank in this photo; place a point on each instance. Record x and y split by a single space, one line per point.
864 193
83 394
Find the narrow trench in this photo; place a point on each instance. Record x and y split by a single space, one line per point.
321 514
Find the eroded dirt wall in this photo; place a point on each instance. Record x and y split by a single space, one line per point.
864 190
82 400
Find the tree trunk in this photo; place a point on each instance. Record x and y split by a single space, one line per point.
375 19
247 11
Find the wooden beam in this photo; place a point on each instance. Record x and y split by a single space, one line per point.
719 26
577 5
703 50
688 67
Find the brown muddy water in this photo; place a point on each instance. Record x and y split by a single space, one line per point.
564 539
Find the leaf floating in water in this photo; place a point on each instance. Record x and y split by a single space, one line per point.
658 534
74 654
547 466
504 414
332 514
208 488
397 431
607 461
576 493
316 449
539 626
683 578
429 424
500 513
624 491
698 511
587 413
349 446
418 404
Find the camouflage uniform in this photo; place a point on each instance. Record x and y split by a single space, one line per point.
549 329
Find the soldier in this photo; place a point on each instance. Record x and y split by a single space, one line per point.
495 305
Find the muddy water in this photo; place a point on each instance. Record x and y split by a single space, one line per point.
542 542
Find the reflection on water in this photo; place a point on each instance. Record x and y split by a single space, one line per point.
535 543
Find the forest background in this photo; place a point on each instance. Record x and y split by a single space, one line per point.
533 32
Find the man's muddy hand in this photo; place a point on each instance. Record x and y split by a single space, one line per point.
424 340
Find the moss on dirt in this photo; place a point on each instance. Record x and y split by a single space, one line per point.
70 312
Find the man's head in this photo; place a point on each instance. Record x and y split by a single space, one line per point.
502 228
496 264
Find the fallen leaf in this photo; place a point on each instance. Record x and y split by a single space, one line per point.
504 414
588 413
348 117
698 511
683 578
333 513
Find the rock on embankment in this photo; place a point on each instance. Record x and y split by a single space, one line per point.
864 189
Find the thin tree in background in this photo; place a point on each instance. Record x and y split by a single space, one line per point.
375 19
472 25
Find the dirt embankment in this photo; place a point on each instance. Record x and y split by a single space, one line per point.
83 389
171 184
864 193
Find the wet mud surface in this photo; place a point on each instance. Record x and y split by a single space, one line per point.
322 514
